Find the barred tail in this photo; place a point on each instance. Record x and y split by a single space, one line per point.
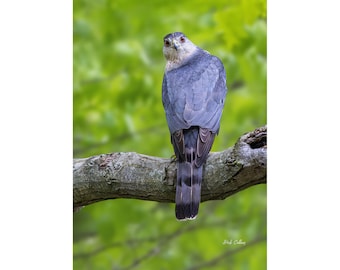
188 190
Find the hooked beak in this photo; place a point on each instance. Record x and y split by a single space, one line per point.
176 44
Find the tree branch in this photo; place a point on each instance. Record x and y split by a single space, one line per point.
132 175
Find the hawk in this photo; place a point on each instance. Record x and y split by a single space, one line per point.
193 95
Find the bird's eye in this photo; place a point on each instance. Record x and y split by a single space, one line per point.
182 39
166 43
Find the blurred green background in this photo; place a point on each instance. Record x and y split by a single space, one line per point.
118 70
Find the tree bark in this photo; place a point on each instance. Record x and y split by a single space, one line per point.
133 175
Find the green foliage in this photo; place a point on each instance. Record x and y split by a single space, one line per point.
117 106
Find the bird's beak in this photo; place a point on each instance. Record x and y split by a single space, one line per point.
176 44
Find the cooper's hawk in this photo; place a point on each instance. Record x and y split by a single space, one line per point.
193 93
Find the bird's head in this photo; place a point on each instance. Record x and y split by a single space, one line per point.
177 47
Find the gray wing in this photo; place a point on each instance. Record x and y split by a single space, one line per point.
194 94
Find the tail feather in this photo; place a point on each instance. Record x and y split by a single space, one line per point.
192 148
188 191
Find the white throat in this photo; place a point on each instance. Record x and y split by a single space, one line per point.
176 59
